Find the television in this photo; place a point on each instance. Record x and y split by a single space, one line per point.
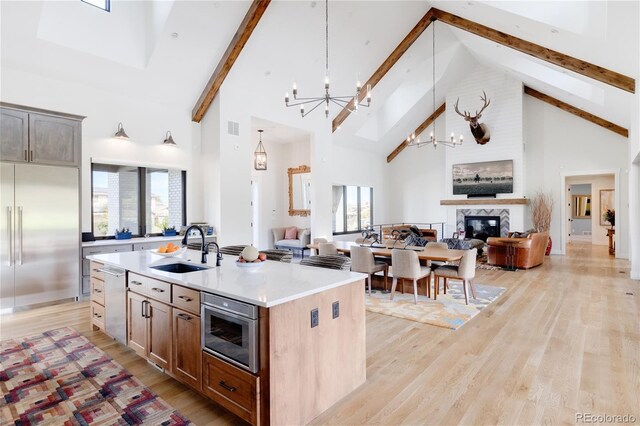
487 178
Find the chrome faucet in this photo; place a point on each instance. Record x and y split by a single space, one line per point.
204 247
218 254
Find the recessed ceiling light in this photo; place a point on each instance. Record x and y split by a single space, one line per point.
267 73
174 35
313 4
554 31
517 26
366 43
408 70
470 3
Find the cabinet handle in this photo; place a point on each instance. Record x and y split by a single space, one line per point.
226 386
135 282
185 298
157 290
95 290
97 315
185 317
31 155
10 233
26 157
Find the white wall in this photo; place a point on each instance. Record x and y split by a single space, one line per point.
559 144
598 232
145 122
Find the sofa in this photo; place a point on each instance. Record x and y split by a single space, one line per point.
299 244
528 250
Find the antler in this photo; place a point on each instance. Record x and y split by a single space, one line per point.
486 104
466 115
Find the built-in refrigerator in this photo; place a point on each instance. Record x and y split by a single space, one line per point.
40 241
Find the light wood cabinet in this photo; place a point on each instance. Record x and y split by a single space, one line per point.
31 135
14 135
97 297
187 350
231 387
159 333
137 323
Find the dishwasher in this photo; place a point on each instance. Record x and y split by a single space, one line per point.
115 302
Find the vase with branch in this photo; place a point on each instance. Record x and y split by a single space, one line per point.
541 210
610 216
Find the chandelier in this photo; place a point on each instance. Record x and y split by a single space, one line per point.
260 155
350 102
412 140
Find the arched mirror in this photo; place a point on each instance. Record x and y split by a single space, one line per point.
299 191
581 207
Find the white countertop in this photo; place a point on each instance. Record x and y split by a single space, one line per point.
114 242
273 284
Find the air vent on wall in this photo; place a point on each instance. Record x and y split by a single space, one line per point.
233 128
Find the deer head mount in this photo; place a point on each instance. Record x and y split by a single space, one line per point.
480 131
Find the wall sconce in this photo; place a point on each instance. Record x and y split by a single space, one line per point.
168 140
120 133
260 155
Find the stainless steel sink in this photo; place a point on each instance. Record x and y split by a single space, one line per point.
179 268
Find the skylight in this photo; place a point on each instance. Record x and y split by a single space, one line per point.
102 4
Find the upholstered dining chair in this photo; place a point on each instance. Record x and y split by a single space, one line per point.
434 263
280 255
327 248
406 265
232 250
330 261
465 272
362 260
317 241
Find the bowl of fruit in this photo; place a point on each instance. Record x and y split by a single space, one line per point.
169 250
251 259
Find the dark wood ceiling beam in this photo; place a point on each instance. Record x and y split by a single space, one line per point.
240 38
388 63
421 128
587 69
577 111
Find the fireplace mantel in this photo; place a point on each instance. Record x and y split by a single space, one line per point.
484 201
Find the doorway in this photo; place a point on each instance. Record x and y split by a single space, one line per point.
586 197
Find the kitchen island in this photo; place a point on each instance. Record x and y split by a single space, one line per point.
310 330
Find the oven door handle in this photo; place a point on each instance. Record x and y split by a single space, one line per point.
222 313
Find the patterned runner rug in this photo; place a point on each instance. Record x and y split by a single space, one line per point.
60 378
449 311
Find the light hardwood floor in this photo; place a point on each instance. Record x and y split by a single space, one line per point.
563 339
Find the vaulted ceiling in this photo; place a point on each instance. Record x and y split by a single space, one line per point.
165 51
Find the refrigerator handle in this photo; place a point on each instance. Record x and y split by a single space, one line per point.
20 234
10 232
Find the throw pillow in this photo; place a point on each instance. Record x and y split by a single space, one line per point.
291 233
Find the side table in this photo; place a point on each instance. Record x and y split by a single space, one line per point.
612 243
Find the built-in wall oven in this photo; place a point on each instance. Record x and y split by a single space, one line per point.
230 330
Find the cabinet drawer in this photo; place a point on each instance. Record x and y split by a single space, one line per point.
231 387
97 315
94 271
187 299
155 289
97 291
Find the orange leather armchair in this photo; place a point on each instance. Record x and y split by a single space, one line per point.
528 252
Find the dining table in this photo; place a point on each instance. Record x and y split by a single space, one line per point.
424 253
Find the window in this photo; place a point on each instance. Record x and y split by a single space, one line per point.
144 200
352 208
102 4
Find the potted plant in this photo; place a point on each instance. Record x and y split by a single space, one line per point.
169 231
541 209
610 216
124 234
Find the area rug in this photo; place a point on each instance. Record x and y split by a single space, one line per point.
60 378
449 311
481 263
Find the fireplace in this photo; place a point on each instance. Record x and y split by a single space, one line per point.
481 227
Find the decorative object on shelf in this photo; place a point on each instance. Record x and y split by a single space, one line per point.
168 139
412 140
350 102
169 231
541 210
124 234
120 133
260 155
480 131
607 197
299 191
